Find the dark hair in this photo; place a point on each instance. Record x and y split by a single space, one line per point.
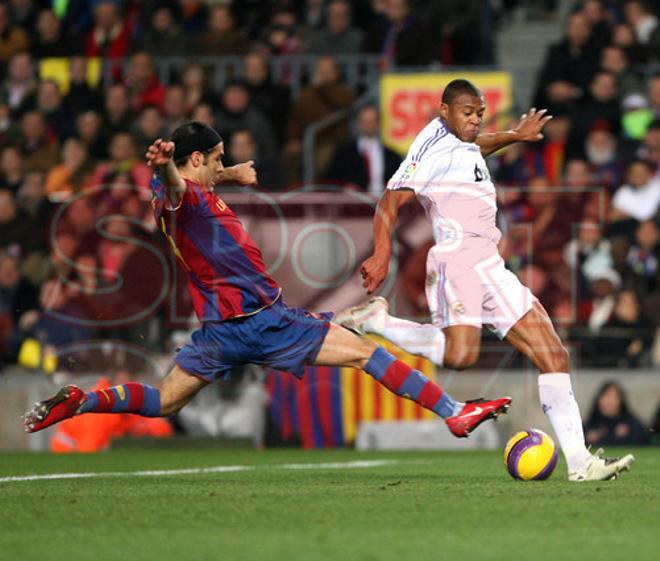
193 137
596 414
459 87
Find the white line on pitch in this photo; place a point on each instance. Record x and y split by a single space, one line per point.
194 471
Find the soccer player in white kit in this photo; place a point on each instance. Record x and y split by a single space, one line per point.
468 285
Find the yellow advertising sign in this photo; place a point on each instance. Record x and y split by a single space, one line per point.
409 101
58 69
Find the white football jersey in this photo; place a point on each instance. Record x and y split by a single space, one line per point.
452 182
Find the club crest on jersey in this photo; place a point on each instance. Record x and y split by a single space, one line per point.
409 170
458 308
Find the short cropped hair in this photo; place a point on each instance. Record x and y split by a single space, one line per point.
459 87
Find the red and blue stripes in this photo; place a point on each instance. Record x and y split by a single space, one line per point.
131 397
398 377
227 275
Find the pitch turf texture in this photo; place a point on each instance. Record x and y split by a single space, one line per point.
402 506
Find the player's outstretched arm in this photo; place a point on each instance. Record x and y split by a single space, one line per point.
160 156
528 130
243 174
374 270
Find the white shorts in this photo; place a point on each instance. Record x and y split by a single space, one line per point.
460 291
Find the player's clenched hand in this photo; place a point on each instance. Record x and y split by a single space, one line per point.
244 174
160 152
374 270
531 124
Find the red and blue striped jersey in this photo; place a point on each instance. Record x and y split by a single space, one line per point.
226 274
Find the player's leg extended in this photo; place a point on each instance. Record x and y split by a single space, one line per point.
344 348
535 336
176 389
373 316
455 347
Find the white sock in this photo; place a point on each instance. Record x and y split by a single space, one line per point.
423 339
559 405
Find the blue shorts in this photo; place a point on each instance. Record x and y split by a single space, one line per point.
280 337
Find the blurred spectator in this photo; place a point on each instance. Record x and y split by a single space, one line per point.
552 151
18 235
56 324
17 294
222 37
59 121
270 98
117 116
621 334
20 85
144 87
81 96
569 67
642 19
459 23
89 128
610 422
605 284
243 148
650 148
281 36
132 275
324 96
364 163
623 35
635 201
399 37
175 108
164 37
194 83
599 108
194 14
24 13
600 148
12 168
338 36
31 198
642 112
642 272
236 112
546 272
74 174
41 151
588 254
110 36
515 165
312 14
599 20
615 61
203 113
51 41
13 38
148 127
125 166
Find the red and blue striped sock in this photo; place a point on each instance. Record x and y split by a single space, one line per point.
131 397
405 381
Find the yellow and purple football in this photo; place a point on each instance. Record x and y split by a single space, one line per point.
530 455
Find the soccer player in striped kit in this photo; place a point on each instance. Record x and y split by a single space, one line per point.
243 315
467 282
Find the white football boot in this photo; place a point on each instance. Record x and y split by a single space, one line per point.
597 468
368 317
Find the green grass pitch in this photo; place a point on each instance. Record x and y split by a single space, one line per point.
411 506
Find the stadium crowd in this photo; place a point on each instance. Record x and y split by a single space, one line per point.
59 137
